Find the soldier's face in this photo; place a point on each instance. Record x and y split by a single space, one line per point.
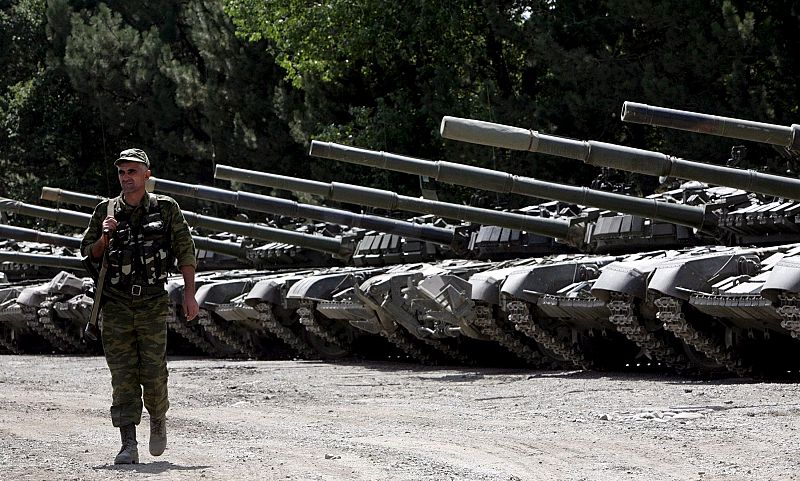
132 176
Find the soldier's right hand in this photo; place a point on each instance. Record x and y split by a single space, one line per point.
109 225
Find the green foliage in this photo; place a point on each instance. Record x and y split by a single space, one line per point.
395 68
250 83
185 89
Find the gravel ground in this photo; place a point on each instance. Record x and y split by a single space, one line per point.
300 420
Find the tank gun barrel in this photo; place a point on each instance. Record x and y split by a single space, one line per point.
497 181
783 136
219 246
274 205
67 217
61 262
617 156
32 235
77 198
270 234
81 220
354 194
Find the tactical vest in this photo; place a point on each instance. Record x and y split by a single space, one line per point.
139 253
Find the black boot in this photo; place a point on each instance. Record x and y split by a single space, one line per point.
129 453
158 435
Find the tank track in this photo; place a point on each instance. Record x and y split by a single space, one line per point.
213 330
790 312
520 315
309 321
182 329
271 325
507 338
44 325
624 318
404 341
671 313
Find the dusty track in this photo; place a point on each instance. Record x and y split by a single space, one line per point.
330 421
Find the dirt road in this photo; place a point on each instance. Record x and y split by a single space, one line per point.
287 420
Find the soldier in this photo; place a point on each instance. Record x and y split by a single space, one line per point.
144 234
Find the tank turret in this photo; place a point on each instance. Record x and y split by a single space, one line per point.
602 154
558 228
783 136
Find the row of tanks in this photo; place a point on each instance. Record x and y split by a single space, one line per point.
697 278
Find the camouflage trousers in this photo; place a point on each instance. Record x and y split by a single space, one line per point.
135 344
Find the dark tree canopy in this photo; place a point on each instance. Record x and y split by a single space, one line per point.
251 83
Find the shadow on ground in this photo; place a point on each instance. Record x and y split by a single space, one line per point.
157 467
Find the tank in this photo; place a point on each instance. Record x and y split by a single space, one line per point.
352 194
81 220
413 321
278 315
329 311
57 310
602 154
337 247
778 283
191 336
695 217
233 331
753 222
274 205
38 315
726 317
525 302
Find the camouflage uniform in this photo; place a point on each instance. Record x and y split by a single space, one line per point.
134 320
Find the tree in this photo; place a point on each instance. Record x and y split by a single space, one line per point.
381 74
173 79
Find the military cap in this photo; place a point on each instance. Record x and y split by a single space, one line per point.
133 155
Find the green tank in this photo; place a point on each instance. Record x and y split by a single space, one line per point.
603 154
81 220
487 179
274 205
353 194
341 248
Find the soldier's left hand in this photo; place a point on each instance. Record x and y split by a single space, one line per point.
190 307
